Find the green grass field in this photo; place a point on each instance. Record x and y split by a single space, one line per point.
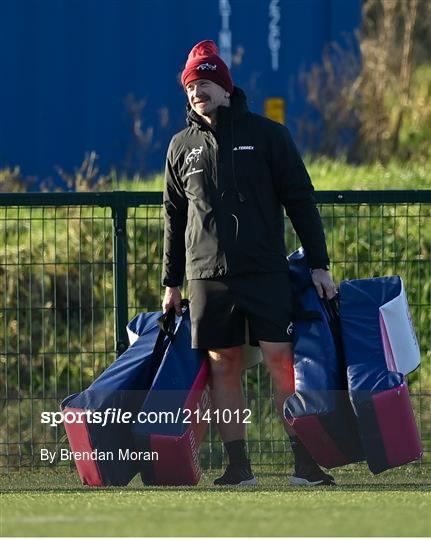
52 503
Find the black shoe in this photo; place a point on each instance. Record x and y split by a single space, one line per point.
307 472
311 475
238 474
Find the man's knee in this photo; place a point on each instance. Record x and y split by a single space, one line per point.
278 358
277 354
226 362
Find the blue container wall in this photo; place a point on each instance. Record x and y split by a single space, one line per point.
70 66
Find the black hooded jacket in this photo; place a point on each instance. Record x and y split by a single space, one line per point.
224 194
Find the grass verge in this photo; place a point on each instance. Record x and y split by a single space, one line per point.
329 174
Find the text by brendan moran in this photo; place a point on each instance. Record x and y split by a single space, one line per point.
122 454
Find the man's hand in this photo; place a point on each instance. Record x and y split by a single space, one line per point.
172 298
323 282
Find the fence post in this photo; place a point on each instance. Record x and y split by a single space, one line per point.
119 216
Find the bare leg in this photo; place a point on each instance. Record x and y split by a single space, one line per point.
226 390
278 358
227 393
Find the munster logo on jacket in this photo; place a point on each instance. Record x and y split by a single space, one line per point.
194 155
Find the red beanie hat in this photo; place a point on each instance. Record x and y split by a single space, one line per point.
204 62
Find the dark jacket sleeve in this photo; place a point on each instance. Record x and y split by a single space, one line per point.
295 190
175 220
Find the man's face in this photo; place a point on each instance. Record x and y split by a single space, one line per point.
205 96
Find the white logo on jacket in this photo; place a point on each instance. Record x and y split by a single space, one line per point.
193 171
207 66
237 148
194 155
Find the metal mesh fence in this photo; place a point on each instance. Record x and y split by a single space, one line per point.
74 268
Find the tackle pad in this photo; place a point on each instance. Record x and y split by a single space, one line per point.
319 411
380 348
153 382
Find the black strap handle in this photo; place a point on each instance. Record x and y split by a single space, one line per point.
167 325
332 306
166 322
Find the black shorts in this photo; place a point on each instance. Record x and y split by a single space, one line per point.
219 308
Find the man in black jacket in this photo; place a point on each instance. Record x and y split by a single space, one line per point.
228 176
